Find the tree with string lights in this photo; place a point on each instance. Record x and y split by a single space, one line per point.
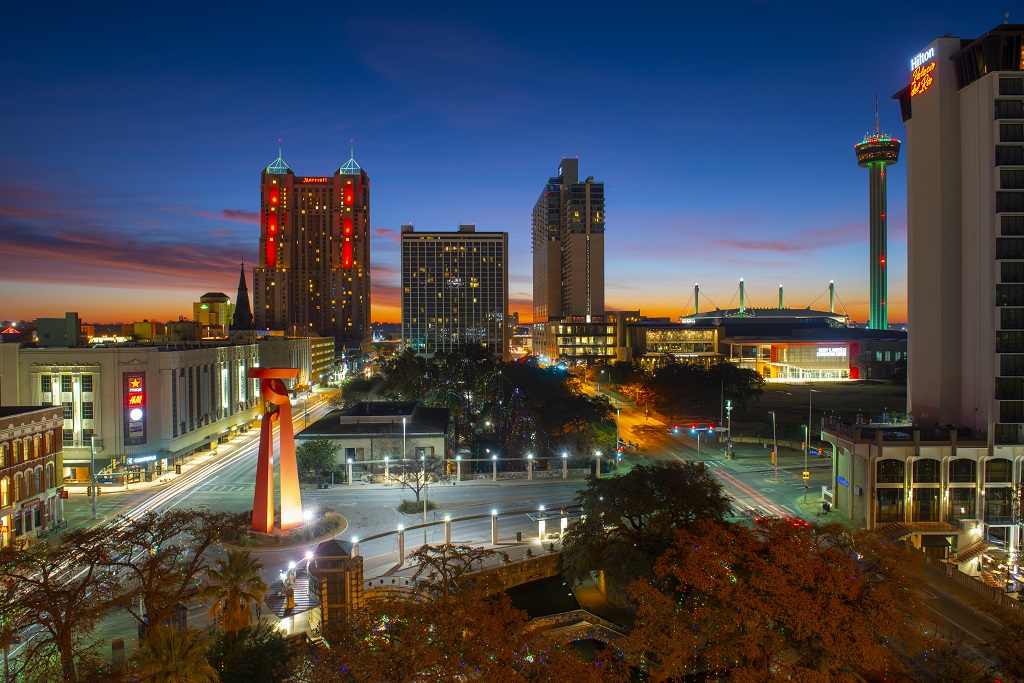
160 559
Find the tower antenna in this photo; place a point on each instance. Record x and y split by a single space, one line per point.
279 149
876 112
352 148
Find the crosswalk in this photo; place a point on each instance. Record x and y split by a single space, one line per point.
226 488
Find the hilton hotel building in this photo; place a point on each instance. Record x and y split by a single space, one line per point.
964 113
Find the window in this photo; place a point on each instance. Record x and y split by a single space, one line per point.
3 455
1011 271
68 410
45 385
86 383
961 471
1011 178
68 437
1010 295
1009 201
926 471
1011 365
1011 86
1010 248
1012 225
1011 411
890 471
87 410
5 492
1009 109
1009 388
998 470
15 452
65 382
1009 341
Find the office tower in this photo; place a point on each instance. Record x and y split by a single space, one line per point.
875 153
568 246
454 290
314 272
964 112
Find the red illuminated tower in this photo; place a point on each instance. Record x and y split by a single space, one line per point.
314 272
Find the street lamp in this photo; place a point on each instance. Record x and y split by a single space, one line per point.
694 430
597 454
403 438
529 466
494 467
728 429
423 459
565 466
618 440
775 446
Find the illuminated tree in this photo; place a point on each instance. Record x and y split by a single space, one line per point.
160 557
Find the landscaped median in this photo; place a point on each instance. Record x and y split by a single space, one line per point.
322 524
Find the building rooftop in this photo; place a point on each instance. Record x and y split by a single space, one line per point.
381 417
10 411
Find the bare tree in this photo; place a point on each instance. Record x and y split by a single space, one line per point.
446 567
63 590
159 556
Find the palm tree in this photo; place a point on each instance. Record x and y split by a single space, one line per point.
235 585
172 655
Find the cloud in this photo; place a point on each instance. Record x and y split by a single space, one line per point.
389 233
241 215
803 241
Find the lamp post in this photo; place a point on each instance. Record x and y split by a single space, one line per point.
423 459
618 440
494 467
775 446
458 469
349 464
565 466
597 454
728 429
529 466
403 438
92 472
807 443
387 472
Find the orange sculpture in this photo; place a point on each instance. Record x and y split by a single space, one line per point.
276 394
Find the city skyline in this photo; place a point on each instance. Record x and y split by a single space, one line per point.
724 139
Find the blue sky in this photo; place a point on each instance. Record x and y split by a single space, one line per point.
135 135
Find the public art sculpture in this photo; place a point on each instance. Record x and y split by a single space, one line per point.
275 392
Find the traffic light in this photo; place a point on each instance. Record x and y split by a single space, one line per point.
693 429
711 429
803 445
675 429
98 490
773 458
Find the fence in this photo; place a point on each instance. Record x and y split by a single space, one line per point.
995 594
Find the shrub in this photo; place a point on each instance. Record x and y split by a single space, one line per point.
411 507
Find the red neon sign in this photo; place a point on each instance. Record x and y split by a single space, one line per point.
346 226
350 194
274 195
136 397
271 246
315 180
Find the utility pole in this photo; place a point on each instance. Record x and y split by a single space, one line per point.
92 472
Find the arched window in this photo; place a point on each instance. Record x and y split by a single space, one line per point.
926 471
14 452
48 440
5 492
18 493
49 476
36 443
962 471
3 454
39 480
890 471
998 470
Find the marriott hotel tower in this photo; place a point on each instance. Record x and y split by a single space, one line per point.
964 111
314 273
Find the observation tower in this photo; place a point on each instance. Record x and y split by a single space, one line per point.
875 153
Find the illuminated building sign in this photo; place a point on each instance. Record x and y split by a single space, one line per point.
922 79
315 180
922 57
350 194
831 351
141 459
134 408
842 481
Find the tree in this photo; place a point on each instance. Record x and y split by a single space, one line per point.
317 455
443 568
64 590
159 557
415 474
258 654
235 585
173 655
776 602
628 521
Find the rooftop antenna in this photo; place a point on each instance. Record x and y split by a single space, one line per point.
352 148
279 149
876 112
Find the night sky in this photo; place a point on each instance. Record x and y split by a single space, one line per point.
134 136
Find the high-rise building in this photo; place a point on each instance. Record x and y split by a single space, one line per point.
314 273
964 112
568 254
568 246
454 290
875 153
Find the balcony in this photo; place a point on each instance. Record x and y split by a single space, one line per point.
901 432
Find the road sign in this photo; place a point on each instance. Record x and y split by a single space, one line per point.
807 475
105 480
